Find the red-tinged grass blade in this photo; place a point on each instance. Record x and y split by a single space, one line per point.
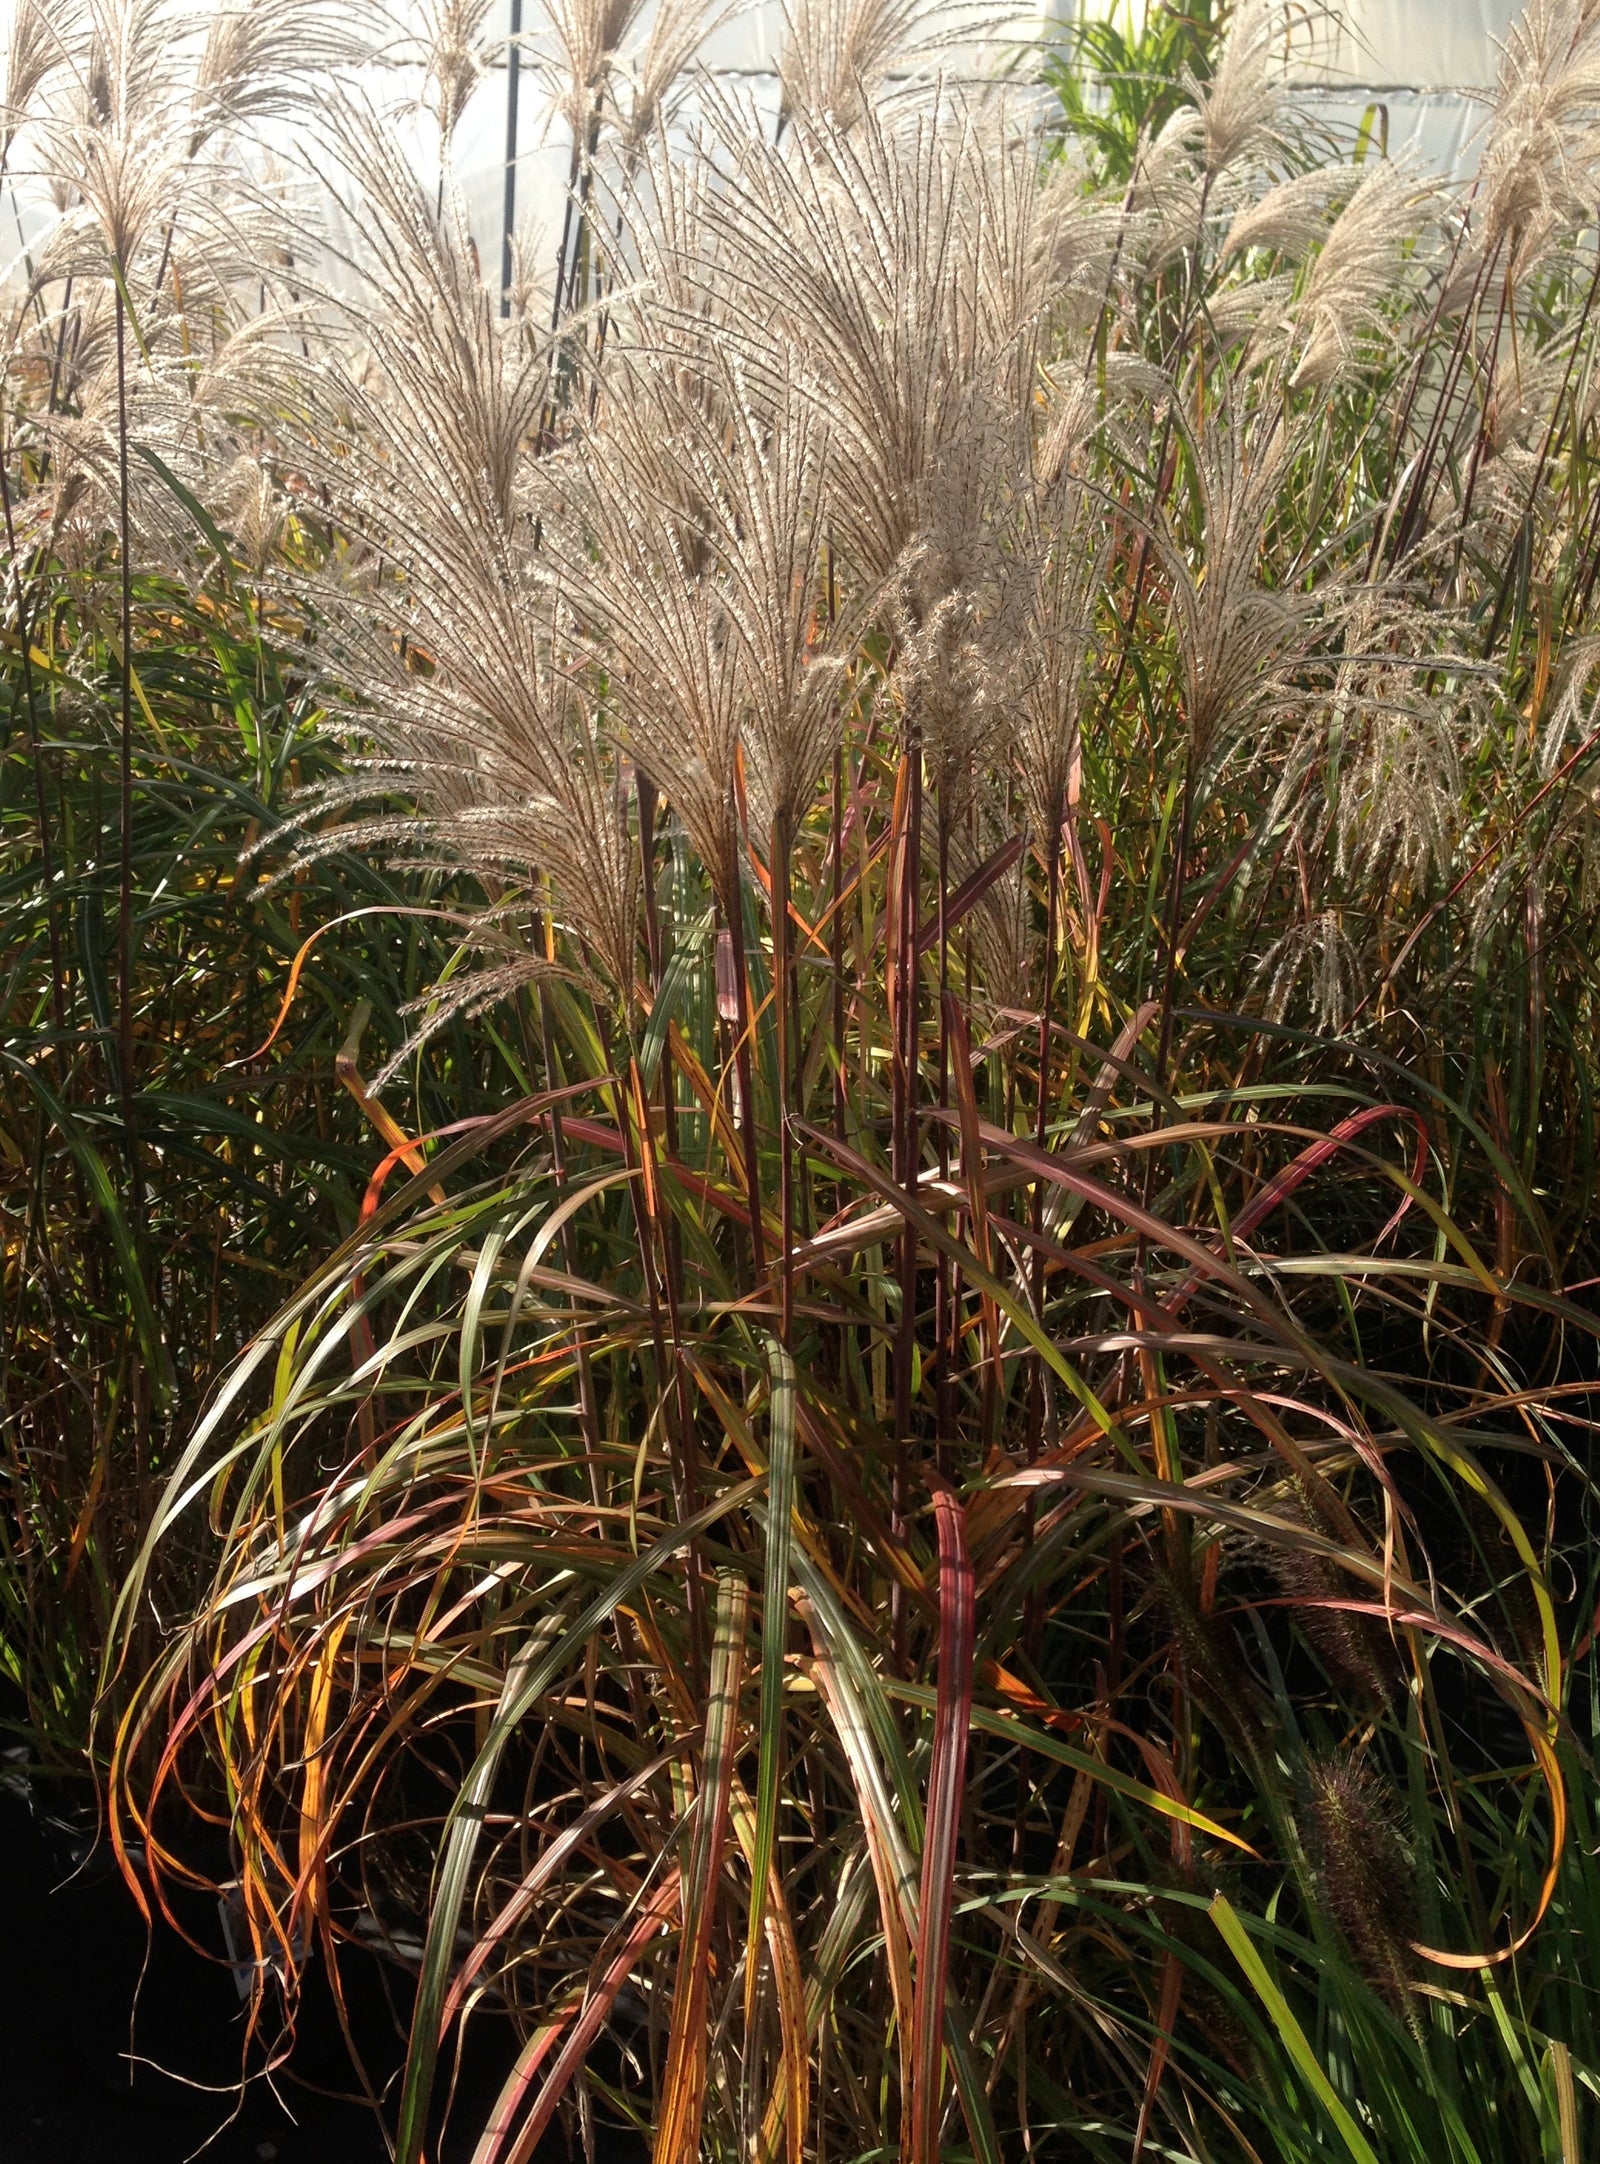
946 1783
566 1844
971 891
596 2007
1283 1184
1015 1309
683 2085
1172 1974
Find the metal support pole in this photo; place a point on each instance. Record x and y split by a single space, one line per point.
509 215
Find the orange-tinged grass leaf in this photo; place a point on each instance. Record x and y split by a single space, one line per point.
314 1826
787 2110
683 2084
297 966
712 1104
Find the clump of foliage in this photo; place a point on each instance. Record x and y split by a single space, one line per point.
958 1520
1120 74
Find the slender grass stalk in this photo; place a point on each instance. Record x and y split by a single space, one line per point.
125 975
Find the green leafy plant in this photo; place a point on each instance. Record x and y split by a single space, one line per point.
1121 75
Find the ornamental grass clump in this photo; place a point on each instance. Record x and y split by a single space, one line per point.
851 1560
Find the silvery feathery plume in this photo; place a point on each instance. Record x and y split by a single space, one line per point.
722 620
703 519
187 404
449 626
1400 793
1238 640
1371 783
432 329
454 56
1368 789
1532 393
654 73
1406 708
838 54
1537 175
132 111
254 512
1292 215
492 731
38 38
1078 243
1358 268
118 129
764 488
589 37
1233 121
1316 956
1573 714
141 214
1167 195
710 465
897 257
655 603
258 56
1240 109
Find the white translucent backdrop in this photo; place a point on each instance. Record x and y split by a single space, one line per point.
1407 69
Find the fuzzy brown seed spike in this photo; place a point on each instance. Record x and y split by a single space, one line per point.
1363 1870
1353 1647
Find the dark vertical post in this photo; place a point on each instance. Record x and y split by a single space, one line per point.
509 215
